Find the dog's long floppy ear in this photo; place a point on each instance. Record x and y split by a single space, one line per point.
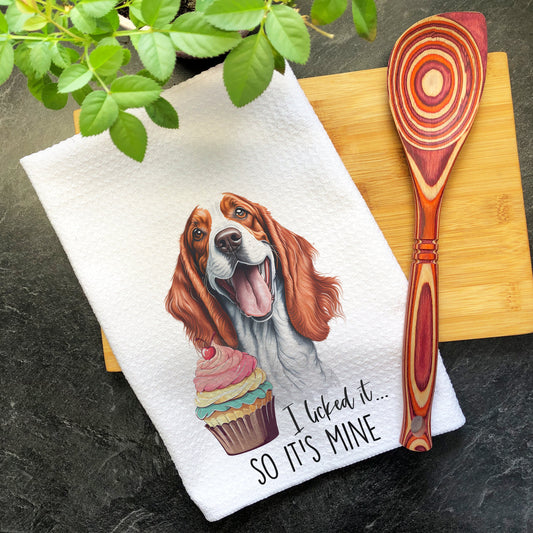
312 299
189 300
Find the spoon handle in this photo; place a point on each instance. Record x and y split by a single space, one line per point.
421 334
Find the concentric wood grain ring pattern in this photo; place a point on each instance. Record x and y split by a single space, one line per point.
436 83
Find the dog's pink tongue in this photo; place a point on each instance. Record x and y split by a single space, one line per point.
251 291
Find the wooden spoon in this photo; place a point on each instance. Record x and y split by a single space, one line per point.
435 79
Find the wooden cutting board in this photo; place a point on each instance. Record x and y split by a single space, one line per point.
486 282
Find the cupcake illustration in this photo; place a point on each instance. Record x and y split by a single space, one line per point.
234 399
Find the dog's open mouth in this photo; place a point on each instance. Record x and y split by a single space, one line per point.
250 288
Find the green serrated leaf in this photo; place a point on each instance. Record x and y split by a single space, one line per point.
279 61
4 28
25 7
96 8
126 56
163 114
365 18
109 41
98 113
73 77
193 34
202 5
287 33
55 70
106 60
22 59
36 22
129 136
51 98
7 60
80 94
107 24
15 19
40 58
159 12
326 11
36 86
81 20
135 13
248 69
147 74
157 53
60 56
74 56
113 19
235 14
135 91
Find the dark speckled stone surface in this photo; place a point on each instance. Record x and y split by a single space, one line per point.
77 451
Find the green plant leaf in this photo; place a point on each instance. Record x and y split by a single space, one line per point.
80 94
55 70
4 28
157 53
202 5
96 8
248 69
22 59
7 60
135 91
60 56
365 18
107 24
147 74
98 113
326 11
135 13
40 58
235 14
279 61
15 19
51 98
74 56
25 7
81 20
126 56
36 22
73 77
35 86
163 114
129 136
109 41
287 33
106 60
159 12
193 34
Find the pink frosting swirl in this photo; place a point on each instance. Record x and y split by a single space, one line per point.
226 367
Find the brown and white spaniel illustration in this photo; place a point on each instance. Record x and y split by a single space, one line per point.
244 278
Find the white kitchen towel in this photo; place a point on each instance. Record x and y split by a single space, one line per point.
269 171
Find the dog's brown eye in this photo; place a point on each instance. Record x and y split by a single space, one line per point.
240 212
197 234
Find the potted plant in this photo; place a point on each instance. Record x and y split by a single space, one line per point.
75 47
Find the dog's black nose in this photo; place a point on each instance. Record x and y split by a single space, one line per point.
228 240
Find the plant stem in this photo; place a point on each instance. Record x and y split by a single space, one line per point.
30 38
127 33
318 30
